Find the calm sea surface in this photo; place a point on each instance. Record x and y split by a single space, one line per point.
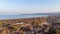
19 16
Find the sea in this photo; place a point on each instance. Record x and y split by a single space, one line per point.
2 17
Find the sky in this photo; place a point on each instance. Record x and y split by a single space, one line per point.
13 7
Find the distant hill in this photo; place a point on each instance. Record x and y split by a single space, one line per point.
50 13
30 15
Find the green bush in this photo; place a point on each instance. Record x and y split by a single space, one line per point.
57 31
0 24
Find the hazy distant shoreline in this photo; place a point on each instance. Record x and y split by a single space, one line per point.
20 16
3 17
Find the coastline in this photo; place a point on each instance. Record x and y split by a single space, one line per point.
4 17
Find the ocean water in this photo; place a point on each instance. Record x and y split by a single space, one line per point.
19 16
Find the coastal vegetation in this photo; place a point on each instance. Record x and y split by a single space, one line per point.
38 25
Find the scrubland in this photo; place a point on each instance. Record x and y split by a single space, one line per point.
37 25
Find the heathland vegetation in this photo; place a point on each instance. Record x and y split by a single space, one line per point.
38 25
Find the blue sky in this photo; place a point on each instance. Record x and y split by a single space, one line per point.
29 6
